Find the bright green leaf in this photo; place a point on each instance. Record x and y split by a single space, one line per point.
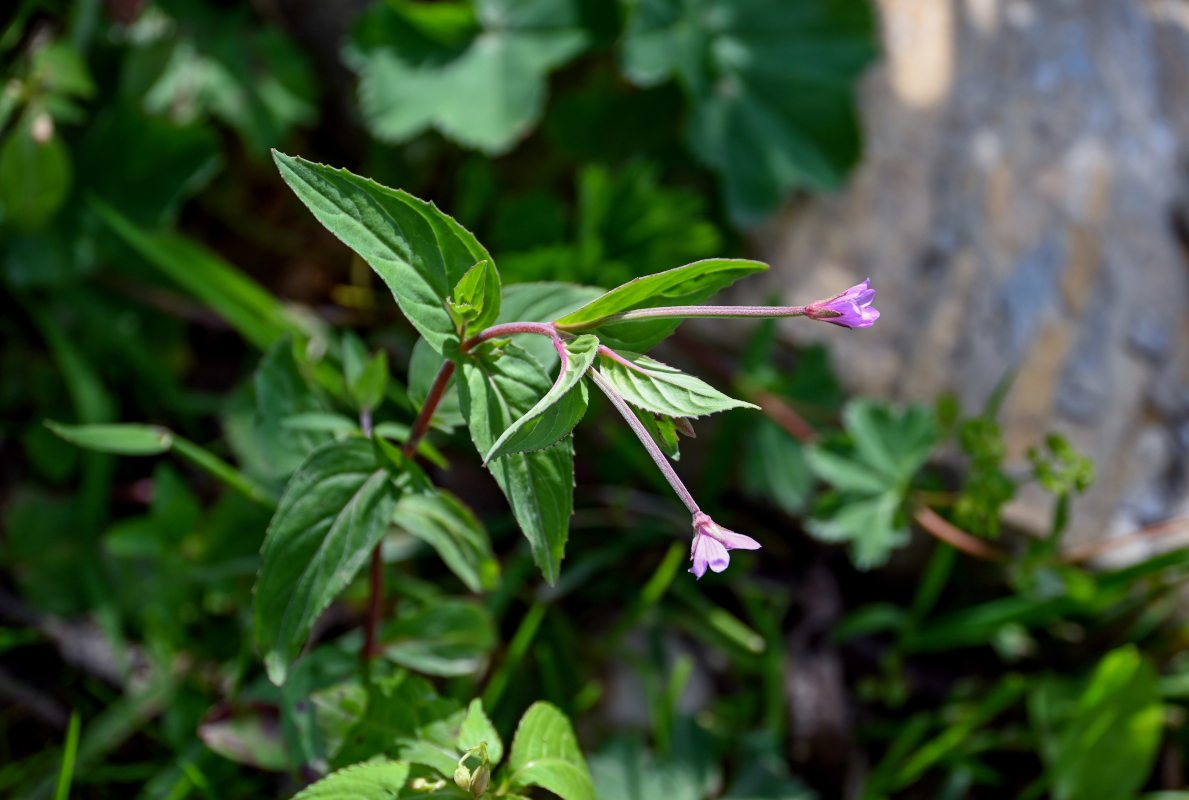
545 753
539 486
118 438
375 780
443 522
683 286
418 251
555 414
477 729
661 389
870 525
334 511
476 297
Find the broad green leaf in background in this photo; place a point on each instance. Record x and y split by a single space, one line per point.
334 511
558 411
477 76
449 527
683 286
419 252
477 729
424 365
375 780
545 753
895 443
35 176
771 84
539 486
870 524
445 637
661 389
248 736
1101 740
777 467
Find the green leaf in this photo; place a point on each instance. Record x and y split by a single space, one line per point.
663 431
369 386
418 251
870 525
334 511
423 368
399 715
683 286
844 473
59 67
895 443
477 729
480 81
555 414
35 177
773 103
443 522
778 467
661 389
545 753
375 780
283 394
539 486
251 737
476 297
446 638
1101 740
118 438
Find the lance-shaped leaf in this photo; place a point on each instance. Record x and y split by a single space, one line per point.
494 392
683 286
420 252
545 753
442 521
661 389
555 414
333 512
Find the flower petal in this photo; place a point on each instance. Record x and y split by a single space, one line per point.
716 554
738 541
698 556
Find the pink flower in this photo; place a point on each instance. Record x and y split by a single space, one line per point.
711 543
851 309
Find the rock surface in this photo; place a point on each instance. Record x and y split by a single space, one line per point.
1021 209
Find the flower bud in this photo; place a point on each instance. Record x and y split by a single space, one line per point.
462 777
480 781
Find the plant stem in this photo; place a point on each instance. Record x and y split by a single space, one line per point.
645 437
689 312
421 424
508 329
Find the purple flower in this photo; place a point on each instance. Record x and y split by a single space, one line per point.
851 309
711 543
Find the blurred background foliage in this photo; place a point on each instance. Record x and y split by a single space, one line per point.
156 270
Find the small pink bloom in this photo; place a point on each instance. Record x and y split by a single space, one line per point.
711 543
851 309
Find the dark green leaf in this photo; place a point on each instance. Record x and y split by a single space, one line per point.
558 411
419 252
334 511
443 522
479 81
446 637
545 753
539 485
870 525
771 83
283 394
35 177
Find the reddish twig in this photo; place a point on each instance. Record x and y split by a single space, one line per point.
942 529
1154 531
